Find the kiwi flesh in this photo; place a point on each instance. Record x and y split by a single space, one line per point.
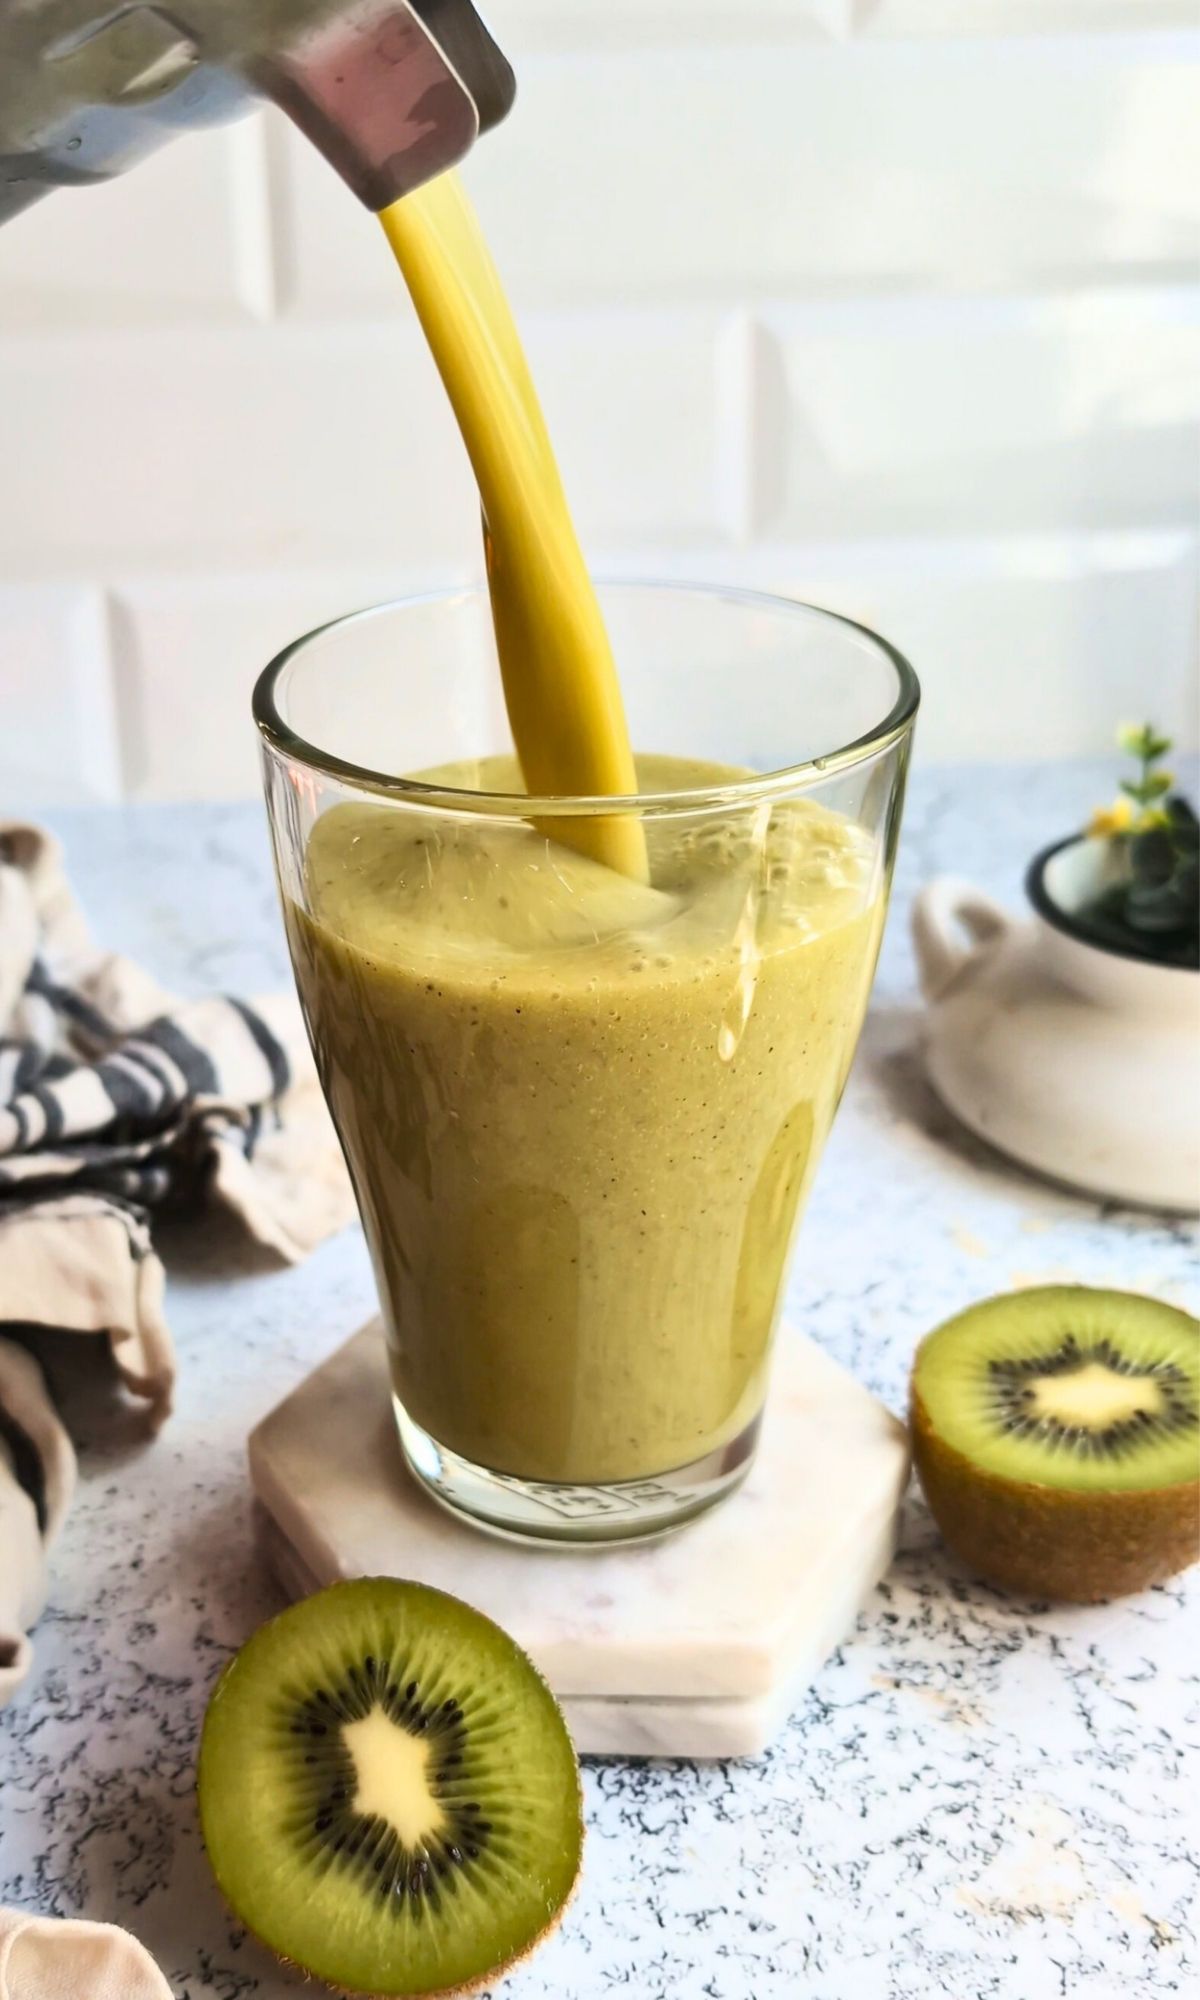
388 1793
1056 1434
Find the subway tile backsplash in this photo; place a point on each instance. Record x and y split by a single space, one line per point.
863 299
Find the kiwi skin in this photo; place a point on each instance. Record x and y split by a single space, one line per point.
1045 1541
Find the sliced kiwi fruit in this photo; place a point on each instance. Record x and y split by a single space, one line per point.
388 1793
1056 1433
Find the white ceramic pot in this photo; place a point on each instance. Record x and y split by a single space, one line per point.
1081 1062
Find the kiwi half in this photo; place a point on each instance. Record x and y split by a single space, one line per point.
388 1793
1056 1433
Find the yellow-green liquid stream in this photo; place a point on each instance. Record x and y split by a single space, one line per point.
560 682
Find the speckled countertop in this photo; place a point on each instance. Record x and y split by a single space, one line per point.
979 1797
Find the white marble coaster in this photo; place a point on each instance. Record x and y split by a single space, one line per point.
607 1725
692 1646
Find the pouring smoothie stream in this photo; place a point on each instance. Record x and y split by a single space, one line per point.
582 1064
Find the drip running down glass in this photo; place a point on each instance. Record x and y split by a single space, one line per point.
582 1113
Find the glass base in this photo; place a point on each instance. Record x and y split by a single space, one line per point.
531 1510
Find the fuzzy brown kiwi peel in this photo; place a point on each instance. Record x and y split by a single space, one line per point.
388 1793
1056 1434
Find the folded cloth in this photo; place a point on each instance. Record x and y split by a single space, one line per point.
116 1100
37 1477
62 1958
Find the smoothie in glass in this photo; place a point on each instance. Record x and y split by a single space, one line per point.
581 1112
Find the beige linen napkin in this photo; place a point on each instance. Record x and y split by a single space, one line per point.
62 1958
37 1478
118 1100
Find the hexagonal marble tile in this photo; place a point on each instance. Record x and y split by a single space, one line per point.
693 1646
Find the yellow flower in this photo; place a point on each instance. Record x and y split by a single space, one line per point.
1116 818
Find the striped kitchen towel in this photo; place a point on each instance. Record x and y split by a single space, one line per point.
116 1101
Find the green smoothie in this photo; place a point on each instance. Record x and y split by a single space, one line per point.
581 1113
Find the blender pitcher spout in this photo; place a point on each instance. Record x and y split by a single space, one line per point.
391 91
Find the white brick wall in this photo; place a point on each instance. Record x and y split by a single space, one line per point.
892 303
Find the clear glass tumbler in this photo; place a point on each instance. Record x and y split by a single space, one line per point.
582 1113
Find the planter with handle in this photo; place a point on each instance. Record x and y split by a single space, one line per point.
1079 1060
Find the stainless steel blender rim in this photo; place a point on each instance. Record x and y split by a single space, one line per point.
391 91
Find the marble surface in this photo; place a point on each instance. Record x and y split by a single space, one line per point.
638 1726
978 1799
642 1628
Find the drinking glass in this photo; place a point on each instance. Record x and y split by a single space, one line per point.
581 1114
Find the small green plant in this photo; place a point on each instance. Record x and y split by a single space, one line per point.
1153 905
